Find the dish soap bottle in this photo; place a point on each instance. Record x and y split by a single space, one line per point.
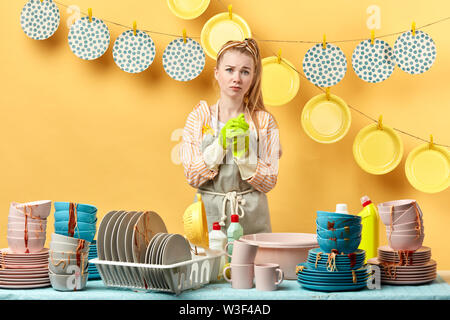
218 241
369 234
234 231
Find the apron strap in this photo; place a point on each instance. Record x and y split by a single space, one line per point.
236 203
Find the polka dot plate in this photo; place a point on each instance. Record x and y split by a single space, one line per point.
134 53
89 40
373 62
39 20
183 61
324 67
414 54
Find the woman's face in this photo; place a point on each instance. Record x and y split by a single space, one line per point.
235 74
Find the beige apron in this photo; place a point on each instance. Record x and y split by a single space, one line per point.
228 194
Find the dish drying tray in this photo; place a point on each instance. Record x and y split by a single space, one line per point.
191 274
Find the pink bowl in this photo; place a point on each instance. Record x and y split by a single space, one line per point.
404 226
17 233
30 226
284 249
410 243
398 205
400 216
39 208
17 245
410 232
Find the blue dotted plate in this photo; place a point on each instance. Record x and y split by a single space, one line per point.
89 40
39 20
373 62
324 67
183 61
414 54
134 53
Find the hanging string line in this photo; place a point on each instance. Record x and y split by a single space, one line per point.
294 41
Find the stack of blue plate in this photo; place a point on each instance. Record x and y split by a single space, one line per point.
93 272
323 280
86 220
341 262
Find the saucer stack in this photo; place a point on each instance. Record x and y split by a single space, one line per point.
405 267
92 269
23 270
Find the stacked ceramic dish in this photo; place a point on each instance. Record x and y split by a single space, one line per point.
92 269
27 225
338 231
23 270
405 267
67 263
75 220
404 224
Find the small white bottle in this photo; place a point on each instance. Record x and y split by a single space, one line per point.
218 241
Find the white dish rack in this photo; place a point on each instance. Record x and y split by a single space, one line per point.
191 274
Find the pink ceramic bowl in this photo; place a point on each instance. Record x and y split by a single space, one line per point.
17 245
285 249
410 243
21 233
39 208
410 232
400 216
398 205
30 226
404 226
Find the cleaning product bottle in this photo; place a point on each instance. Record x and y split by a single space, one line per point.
369 234
234 231
218 241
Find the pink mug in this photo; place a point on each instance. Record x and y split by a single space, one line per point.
268 276
241 275
243 252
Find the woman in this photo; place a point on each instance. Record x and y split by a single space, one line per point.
234 175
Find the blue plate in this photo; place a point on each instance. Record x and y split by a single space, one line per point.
333 287
331 279
358 253
322 267
309 269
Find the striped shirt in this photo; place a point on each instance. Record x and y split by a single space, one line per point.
195 169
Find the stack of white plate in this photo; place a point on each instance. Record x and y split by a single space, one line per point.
23 270
405 267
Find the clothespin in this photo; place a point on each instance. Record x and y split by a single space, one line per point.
324 43
372 37
279 56
184 35
380 122
431 141
413 29
230 13
327 93
90 14
134 27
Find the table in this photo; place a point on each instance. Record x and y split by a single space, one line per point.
439 289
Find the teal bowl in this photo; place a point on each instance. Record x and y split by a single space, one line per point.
64 206
336 222
63 226
341 245
81 216
341 233
86 235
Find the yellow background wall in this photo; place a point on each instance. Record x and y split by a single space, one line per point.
87 132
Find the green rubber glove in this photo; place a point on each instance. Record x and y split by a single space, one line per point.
233 129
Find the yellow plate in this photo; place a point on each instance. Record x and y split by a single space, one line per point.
326 121
377 151
428 169
219 29
280 81
188 9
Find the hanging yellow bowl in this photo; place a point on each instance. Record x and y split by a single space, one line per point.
280 81
428 168
219 29
188 9
326 120
377 151
195 224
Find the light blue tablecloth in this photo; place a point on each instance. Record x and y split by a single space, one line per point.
288 290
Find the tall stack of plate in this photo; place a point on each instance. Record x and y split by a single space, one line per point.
92 269
405 267
333 272
23 270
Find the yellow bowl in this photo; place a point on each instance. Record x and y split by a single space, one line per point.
195 225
